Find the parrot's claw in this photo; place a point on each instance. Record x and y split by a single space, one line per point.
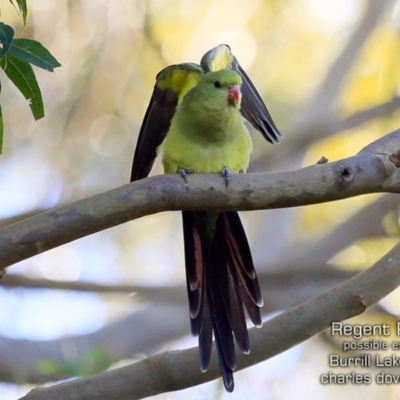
226 173
185 172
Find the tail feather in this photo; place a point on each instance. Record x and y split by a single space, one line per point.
194 272
241 259
221 323
205 338
238 321
241 267
232 303
221 279
226 372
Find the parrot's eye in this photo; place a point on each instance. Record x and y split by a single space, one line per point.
217 84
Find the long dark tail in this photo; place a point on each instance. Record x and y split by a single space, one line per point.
220 278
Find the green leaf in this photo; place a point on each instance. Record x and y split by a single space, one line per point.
22 8
1 128
6 37
34 53
23 77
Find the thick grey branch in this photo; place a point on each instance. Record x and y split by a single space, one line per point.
372 170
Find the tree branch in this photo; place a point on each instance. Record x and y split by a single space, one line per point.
35 283
366 223
130 334
372 170
163 372
361 117
321 104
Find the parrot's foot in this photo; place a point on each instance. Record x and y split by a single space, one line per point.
185 172
226 173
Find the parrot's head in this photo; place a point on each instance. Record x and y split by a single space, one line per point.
222 88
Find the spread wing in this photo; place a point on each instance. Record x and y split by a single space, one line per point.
172 83
253 108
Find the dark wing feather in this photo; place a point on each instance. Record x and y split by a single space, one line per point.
171 83
253 108
153 131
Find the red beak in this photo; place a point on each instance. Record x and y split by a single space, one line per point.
234 94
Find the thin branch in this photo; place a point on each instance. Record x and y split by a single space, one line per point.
361 117
371 171
366 223
328 90
163 372
35 283
270 280
316 119
130 334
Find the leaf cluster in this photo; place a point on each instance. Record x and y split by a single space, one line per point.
16 57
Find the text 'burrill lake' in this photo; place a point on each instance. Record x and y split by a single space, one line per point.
373 336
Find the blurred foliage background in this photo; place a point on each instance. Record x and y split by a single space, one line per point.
329 73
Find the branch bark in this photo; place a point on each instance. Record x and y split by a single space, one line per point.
374 169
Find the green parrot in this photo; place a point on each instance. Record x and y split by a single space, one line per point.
194 121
